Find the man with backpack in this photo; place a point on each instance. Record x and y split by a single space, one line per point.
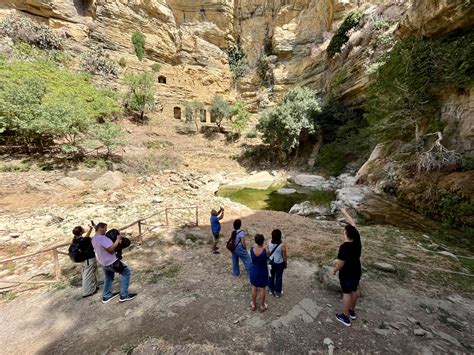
105 250
82 251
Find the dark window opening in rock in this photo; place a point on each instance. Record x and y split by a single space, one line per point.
213 117
177 113
202 115
162 79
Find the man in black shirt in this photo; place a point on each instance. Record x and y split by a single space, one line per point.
89 265
348 265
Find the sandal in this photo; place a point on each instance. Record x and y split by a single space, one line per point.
263 307
253 306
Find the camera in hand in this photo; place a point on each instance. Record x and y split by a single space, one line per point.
112 234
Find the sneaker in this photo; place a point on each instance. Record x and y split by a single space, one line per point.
130 297
216 252
270 291
341 317
352 314
277 295
106 300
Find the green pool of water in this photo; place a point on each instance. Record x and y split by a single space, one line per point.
269 199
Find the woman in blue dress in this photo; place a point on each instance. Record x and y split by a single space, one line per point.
259 273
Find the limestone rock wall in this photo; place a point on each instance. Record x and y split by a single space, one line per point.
189 38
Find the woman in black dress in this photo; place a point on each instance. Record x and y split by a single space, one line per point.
348 265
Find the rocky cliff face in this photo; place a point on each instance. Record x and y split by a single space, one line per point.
190 38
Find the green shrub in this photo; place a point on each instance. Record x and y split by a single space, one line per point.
141 93
156 67
252 133
332 158
25 30
237 62
40 102
109 135
405 91
220 109
14 167
122 62
284 125
240 116
96 61
340 37
138 41
380 23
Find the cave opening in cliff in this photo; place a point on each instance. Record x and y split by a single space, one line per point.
213 116
177 112
202 115
162 79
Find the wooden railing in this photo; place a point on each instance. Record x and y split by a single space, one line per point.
167 212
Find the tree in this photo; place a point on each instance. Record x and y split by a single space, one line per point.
41 103
220 110
240 116
284 125
138 40
108 134
141 93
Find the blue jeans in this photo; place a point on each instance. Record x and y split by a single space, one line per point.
275 281
109 279
240 253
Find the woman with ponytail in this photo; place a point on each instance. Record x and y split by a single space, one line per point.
348 265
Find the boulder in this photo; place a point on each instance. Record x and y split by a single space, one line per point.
386 267
109 181
313 181
350 196
71 183
260 181
448 254
328 279
306 208
286 191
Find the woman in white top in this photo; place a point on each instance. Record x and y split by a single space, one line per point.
278 258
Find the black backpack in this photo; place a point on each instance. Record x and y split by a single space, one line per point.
75 252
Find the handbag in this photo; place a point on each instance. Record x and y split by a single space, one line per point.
231 243
270 261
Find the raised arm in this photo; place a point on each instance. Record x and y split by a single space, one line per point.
221 212
88 234
348 217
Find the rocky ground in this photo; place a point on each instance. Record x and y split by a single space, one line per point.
188 301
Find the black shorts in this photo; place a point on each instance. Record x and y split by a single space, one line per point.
215 236
349 283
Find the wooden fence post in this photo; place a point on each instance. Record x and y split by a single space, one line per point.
57 269
197 216
140 238
166 217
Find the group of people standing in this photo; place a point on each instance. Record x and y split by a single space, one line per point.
267 261
264 266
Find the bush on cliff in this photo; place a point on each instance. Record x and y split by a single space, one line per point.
138 41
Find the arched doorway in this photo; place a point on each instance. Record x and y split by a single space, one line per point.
202 115
177 112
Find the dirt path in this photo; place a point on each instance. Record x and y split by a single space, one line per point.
189 302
